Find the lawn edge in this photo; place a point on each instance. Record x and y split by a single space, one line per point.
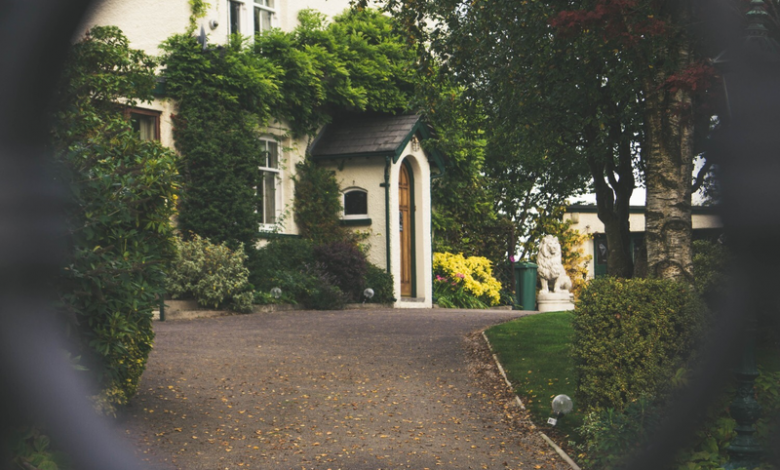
549 441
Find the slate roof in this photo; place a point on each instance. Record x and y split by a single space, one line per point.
364 135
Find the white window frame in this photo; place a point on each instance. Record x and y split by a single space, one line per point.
246 15
344 204
264 169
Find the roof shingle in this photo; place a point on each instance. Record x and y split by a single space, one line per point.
359 135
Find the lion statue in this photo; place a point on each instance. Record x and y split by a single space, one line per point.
551 272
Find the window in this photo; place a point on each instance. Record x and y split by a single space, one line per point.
249 17
355 204
235 17
264 14
145 122
270 176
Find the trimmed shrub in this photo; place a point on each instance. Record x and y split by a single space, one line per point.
213 275
345 265
322 292
324 277
631 337
280 254
280 264
382 283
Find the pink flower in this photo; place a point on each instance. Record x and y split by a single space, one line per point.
462 276
512 259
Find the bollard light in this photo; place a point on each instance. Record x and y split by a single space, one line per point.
276 293
561 405
368 294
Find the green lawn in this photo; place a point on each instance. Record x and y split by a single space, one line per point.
534 352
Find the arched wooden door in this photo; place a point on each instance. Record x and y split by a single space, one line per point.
405 207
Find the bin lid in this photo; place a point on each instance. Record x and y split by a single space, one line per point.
525 264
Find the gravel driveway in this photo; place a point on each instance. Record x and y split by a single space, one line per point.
354 389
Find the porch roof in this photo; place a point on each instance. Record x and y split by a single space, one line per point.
371 136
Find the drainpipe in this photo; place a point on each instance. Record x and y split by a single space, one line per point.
434 176
387 210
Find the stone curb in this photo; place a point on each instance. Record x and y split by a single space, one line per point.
189 310
549 441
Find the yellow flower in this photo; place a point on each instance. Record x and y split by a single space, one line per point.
474 273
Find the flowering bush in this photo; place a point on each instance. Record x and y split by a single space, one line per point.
458 276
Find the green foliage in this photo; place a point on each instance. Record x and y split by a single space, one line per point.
464 218
572 246
610 436
465 282
322 277
121 191
630 338
449 294
317 204
534 351
32 450
356 63
768 396
709 268
198 9
223 95
347 266
278 255
213 275
381 282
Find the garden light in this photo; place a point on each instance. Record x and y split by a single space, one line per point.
561 405
368 294
276 292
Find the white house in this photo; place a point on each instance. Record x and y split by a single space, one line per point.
381 168
705 221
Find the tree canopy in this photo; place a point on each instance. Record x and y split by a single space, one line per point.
610 90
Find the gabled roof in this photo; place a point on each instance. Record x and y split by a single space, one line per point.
371 136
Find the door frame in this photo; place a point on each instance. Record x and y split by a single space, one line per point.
412 226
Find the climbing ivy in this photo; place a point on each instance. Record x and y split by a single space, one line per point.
318 204
356 63
303 77
198 10
224 95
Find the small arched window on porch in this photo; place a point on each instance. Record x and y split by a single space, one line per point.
355 203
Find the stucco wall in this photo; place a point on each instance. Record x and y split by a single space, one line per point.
146 23
367 174
286 16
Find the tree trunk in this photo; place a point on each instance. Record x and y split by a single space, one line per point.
619 262
669 171
613 193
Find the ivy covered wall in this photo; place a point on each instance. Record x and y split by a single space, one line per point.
302 78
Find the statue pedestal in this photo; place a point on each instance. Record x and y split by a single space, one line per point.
554 301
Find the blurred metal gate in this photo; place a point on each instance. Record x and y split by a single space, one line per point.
37 385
